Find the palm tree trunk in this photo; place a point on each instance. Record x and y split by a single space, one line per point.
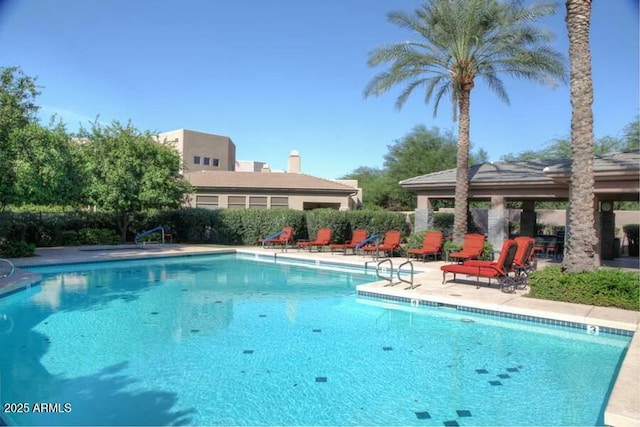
580 252
462 169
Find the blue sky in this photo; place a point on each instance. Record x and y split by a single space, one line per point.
285 75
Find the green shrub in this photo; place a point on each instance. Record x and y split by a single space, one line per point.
605 287
416 239
195 225
98 236
69 238
448 247
487 252
231 226
337 221
633 235
443 221
17 249
379 222
255 224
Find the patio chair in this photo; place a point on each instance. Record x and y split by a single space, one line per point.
281 238
357 237
554 248
498 270
323 238
522 261
540 246
390 243
471 248
432 245
524 254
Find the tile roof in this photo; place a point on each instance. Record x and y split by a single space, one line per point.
529 172
619 161
265 181
488 172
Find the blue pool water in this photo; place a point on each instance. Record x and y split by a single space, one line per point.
228 340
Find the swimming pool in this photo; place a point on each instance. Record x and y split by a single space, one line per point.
232 340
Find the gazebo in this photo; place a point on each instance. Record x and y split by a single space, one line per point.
617 178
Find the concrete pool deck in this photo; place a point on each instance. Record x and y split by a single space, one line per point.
623 408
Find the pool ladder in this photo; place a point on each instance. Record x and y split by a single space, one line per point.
382 269
11 268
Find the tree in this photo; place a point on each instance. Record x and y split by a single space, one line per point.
457 42
17 109
580 250
48 167
631 135
18 93
560 148
376 186
131 172
420 152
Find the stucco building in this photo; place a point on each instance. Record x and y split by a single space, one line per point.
220 181
202 151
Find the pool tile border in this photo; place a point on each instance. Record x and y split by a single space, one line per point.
523 317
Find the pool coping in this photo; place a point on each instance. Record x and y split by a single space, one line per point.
623 407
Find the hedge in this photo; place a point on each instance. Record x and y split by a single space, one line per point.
605 287
194 225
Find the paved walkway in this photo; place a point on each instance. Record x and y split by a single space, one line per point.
624 404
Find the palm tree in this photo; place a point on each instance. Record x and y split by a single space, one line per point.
456 42
580 251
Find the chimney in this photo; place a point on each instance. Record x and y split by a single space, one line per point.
294 162
265 168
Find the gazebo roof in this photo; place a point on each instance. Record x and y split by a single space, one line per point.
617 177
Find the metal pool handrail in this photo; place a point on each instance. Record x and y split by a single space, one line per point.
410 282
383 269
271 237
12 268
153 230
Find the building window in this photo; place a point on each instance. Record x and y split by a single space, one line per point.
279 202
237 202
216 162
206 161
196 160
207 202
256 202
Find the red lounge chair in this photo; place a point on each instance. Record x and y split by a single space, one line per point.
498 270
524 249
521 265
282 238
524 254
524 262
357 237
323 238
390 243
432 245
471 248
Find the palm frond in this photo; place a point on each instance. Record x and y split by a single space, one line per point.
496 85
457 41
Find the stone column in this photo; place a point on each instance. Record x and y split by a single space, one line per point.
423 215
497 223
528 219
605 229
